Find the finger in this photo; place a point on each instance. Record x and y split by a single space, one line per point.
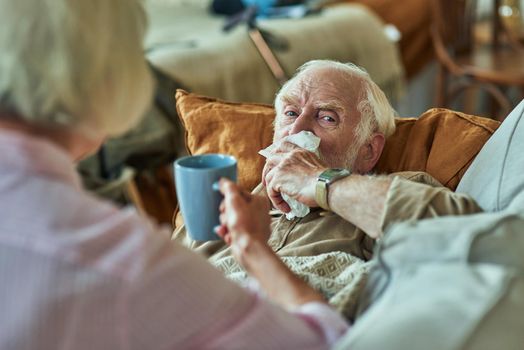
274 195
270 164
265 170
221 207
221 230
233 203
222 218
223 233
234 199
269 179
228 239
278 202
226 186
285 147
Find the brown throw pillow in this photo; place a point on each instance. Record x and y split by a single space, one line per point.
440 142
238 129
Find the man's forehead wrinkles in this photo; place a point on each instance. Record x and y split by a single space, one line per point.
327 94
293 96
314 85
315 88
321 100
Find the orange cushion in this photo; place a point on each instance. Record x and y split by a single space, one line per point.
238 129
440 142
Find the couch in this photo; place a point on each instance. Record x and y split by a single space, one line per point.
457 282
462 277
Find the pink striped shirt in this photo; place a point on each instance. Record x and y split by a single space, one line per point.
78 273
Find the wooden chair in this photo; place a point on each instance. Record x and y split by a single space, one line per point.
465 62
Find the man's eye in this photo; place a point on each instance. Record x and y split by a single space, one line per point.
290 113
327 119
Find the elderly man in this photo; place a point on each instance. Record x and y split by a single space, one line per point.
341 105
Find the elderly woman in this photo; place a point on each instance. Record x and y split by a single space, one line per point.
76 272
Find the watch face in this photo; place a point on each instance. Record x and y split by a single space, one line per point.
331 174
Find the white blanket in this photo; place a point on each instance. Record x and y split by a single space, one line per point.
339 276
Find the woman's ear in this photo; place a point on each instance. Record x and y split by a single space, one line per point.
370 153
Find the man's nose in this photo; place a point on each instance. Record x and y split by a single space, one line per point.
302 123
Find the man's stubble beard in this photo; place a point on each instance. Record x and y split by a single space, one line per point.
346 160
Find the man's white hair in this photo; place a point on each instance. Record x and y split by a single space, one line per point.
76 63
376 113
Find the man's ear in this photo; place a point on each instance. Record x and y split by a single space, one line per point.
370 153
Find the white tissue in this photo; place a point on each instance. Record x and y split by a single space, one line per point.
308 141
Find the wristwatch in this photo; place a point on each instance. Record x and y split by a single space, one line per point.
325 179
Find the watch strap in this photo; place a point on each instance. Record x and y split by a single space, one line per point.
324 180
321 194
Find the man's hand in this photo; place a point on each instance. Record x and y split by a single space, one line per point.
244 220
293 171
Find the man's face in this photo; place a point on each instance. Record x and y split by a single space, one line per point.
321 102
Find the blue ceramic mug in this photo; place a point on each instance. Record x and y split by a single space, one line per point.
198 200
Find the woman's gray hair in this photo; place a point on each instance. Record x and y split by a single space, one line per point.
76 63
376 113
